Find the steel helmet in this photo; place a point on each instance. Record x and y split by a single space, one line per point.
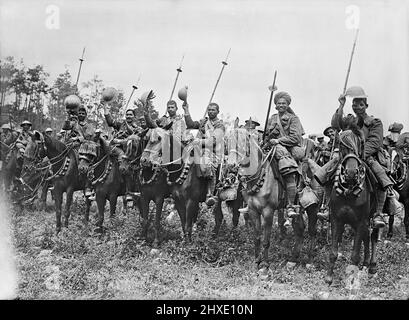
6 126
72 103
355 92
48 130
26 122
109 94
182 93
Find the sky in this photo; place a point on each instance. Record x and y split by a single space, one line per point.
308 42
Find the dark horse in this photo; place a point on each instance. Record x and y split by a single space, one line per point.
64 166
400 173
174 172
103 172
352 202
262 188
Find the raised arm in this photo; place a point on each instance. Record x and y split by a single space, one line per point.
190 124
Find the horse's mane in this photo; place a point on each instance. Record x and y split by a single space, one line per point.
352 141
53 143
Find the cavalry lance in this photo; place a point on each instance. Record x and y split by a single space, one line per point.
350 61
134 87
79 70
272 89
178 70
218 79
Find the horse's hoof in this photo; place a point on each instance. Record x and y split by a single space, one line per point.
98 230
290 265
328 280
372 268
263 273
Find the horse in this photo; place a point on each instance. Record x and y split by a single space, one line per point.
400 173
352 202
262 188
64 166
103 172
173 168
153 184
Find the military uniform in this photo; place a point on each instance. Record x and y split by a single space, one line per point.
123 130
288 131
371 129
211 136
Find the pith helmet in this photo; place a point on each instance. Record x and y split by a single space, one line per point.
48 130
26 122
355 92
6 126
253 120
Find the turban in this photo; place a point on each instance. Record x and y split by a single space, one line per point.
284 95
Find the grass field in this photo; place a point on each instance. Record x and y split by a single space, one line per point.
78 264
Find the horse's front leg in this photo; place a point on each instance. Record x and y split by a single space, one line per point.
218 218
298 225
406 219
281 221
58 205
113 198
390 226
374 239
145 216
256 222
366 240
87 210
356 250
266 227
68 202
159 205
101 200
312 229
336 231
192 208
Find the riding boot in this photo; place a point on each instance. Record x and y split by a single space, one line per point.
210 198
292 209
378 221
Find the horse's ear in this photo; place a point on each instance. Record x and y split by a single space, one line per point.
236 123
36 135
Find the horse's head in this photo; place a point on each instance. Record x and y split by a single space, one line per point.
34 152
350 143
352 172
132 152
152 154
88 154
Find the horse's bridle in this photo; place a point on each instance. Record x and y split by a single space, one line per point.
342 186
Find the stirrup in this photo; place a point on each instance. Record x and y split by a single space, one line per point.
292 212
378 222
323 214
244 210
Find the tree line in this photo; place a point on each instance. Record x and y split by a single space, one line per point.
29 93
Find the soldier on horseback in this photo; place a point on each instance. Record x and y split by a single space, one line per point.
285 131
371 130
123 129
77 128
21 142
210 138
173 122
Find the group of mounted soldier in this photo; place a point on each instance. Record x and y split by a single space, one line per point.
283 143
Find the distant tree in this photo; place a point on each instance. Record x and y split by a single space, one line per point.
61 88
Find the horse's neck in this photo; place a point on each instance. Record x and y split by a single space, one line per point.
54 147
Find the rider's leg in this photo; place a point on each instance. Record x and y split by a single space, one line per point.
386 184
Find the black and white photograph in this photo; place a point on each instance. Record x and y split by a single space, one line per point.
185 151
